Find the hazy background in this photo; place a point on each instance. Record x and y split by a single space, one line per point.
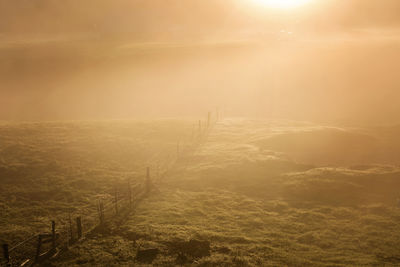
330 61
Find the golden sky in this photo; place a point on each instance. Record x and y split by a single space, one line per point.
177 19
327 60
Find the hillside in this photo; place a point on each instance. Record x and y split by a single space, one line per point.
258 193
256 206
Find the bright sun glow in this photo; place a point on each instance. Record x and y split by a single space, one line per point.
283 4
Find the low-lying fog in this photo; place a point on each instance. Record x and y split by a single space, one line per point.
353 82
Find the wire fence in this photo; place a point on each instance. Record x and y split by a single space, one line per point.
122 199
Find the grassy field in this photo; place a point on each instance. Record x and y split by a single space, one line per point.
51 169
262 193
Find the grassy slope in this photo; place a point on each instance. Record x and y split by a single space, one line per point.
50 169
257 200
259 207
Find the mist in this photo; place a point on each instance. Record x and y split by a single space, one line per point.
199 133
304 80
251 63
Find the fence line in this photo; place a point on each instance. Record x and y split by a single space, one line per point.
50 244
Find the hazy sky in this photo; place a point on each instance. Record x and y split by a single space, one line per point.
178 18
330 60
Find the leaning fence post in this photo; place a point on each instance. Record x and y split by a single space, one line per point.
79 227
39 245
53 235
6 253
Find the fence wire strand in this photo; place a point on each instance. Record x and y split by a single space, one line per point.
67 228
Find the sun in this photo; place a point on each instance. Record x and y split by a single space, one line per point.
282 4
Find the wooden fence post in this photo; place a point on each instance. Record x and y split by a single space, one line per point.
148 182
101 212
217 119
116 200
98 208
208 120
199 128
79 226
53 235
38 246
130 193
6 254
71 233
